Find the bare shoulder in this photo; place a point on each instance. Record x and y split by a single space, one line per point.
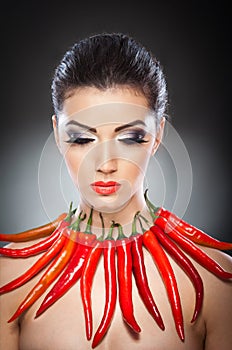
224 259
213 283
218 303
11 268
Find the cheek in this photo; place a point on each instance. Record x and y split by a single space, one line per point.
81 165
73 160
135 164
132 172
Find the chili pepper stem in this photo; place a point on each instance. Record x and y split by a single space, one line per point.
141 225
110 233
134 231
120 232
101 238
152 208
89 222
76 225
70 213
146 220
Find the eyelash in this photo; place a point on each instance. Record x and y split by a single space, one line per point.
137 137
81 141
131 141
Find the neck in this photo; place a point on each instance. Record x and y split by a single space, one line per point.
124 216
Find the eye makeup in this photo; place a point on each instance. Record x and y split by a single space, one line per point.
79 138
128 136
133 136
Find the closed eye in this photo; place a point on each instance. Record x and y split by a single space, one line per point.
80 140
132 137
130 141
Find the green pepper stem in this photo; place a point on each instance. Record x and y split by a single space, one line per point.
145 220
89 222
110 233
101 238
70 213
140 222
152 208
120 232
134 229
76 225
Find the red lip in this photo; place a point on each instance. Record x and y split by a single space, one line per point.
105 188
105 184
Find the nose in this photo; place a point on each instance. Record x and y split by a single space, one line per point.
107 162
108 167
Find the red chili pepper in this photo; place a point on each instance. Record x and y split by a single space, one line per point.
37 267
40 246
185 264
86 281
140 275
194 234
73 271
50 275
35 233
168 276
110 285
124 263
201 257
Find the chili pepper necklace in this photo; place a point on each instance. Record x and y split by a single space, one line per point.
72 255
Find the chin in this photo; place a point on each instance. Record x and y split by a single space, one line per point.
106 203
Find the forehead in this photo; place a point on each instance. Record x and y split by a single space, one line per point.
96 107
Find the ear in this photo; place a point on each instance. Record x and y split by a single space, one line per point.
56 133
159 135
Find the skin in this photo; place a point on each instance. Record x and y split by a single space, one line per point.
106 158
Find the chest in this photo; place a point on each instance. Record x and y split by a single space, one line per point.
62 326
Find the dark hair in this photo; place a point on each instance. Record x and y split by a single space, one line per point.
108 60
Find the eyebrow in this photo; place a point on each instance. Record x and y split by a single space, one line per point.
124 126
119 128
74 122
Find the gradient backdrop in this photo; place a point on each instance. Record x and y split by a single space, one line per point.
192 39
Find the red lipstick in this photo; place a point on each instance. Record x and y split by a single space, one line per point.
105 188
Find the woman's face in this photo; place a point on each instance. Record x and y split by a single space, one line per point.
106 139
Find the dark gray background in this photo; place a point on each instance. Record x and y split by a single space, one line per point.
192 39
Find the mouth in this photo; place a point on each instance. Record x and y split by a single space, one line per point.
105 188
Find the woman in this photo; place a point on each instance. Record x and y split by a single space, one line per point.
109 97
